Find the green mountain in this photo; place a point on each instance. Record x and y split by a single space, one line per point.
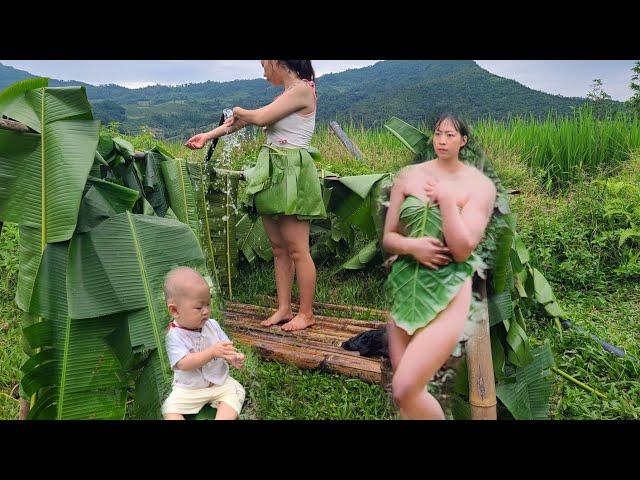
415 90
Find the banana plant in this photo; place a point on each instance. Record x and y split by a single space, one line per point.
91 270
44 171
74 373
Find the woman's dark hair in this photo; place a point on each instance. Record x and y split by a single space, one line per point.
302 68
459 124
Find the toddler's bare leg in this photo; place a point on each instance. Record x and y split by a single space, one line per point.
173 416
225 412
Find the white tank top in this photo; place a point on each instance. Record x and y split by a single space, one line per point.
294 130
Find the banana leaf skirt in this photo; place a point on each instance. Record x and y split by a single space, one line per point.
285 182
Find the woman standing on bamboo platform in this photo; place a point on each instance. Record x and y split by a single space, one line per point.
442 198
284 185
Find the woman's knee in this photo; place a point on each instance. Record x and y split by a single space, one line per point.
298 253
403 390
279 250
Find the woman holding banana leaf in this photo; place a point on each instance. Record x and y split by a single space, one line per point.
438 212
284 185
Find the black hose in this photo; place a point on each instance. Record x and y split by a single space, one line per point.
214 142
618 352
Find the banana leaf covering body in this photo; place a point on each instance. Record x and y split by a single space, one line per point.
285 182
419 293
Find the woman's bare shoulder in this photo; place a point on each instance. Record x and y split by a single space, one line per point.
478 178
404 173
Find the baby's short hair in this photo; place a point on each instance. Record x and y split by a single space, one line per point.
173 287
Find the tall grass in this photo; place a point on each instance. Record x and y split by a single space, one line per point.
565 149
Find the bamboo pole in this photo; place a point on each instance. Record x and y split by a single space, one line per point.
349 145
231 173
482 388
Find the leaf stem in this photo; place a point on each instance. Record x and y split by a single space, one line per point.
579 383
10 397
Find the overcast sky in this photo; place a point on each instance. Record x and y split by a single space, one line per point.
571 78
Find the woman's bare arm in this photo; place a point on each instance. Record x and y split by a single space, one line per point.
294 100
464 230
429 251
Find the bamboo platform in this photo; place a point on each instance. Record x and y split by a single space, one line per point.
315 347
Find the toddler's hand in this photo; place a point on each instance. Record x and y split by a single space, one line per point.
238 360
225 350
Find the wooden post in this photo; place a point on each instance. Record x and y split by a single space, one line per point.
13 125
355 151
24 409
482 387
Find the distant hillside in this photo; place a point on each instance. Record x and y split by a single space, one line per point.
414 90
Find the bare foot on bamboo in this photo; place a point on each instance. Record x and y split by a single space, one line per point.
278 317
299 322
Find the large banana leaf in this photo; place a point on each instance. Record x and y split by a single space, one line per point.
120 266
527 393
44 173
379 202
420 293
519 352
151 389
545 295
30 254
181 192
351 201
252 239
103 200
74 375
501 264
411 137
153 182
330 236
123 168
362 258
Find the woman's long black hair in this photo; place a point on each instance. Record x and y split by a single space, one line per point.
302 68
